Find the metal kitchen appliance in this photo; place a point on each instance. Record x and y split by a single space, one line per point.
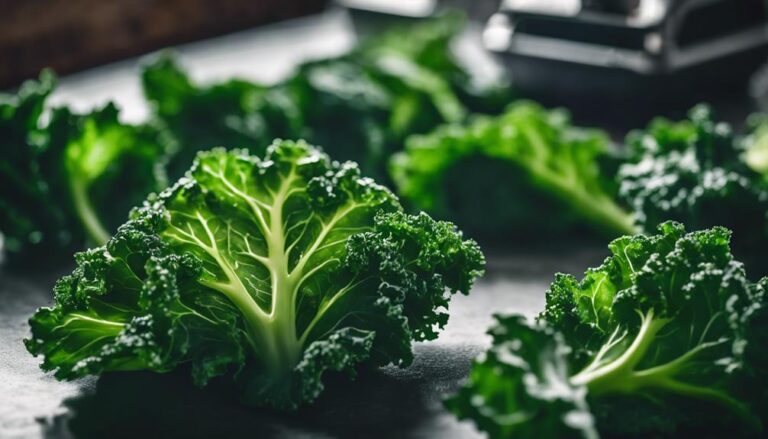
631 51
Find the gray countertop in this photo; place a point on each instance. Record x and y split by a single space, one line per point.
386 403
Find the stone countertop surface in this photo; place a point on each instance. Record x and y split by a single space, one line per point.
380 403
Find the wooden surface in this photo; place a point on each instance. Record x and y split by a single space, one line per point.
68 35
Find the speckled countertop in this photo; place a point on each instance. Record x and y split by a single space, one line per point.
384 403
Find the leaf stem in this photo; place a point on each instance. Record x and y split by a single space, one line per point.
612 376
596 206
620 377
94 229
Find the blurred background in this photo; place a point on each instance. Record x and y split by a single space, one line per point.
72 35
658 54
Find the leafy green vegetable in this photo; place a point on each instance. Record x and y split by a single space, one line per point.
693 172
271 270
59 179
199 118
29 216
504 174
667 328
521 388
362 104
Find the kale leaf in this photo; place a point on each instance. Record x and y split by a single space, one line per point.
664 339
520 387
272 271
693 172
508 175
59 178
361 105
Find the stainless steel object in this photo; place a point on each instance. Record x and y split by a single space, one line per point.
659 50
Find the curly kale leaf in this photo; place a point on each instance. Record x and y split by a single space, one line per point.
58 179
520 387
196 117
30 217
361 105
693 172
665 338
95 156
504 174
270 270
671 311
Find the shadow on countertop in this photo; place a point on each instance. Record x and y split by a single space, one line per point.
386 403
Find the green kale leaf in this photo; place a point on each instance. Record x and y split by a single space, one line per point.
520 387
664 339
502 175
271 271
29 214
59 178
361 105
693 172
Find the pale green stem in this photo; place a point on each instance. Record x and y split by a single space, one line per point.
620 377
93 227
597 207
604 378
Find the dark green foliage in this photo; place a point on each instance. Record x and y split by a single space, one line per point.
524 173
59 179
271 271
665 339
199 118
520 387
30 218
360 106
693 172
